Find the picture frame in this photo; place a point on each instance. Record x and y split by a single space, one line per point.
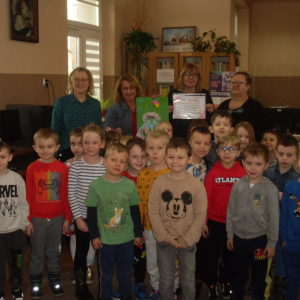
178 39
24 20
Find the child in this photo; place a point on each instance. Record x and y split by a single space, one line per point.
113 135
177 211
252 223
270 139
246 133
221 122
125 138
289 235
156 143
47 196
114 222
196 123
137 159
167 127
13 222
218 184
200 141
280 174
76 148
82 172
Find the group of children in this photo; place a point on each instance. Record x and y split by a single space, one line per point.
159 205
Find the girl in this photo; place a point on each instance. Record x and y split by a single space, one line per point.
270 139
75 138
112 136
82 172
167 127
246 133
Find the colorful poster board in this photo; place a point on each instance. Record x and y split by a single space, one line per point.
149 113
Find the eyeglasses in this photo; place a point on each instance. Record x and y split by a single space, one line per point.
193 75
237 83
230 149
84 80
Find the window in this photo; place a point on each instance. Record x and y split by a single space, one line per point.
84 38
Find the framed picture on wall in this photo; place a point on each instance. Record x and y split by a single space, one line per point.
24 20
178 39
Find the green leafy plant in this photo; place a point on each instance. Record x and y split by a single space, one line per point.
105 103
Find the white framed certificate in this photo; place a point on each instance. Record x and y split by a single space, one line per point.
189 106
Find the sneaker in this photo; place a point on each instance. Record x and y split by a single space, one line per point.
89 275
140 291
198 287
175 296
213 292
17 295
226 291
279 288
155 295
73 281
117 295
2 296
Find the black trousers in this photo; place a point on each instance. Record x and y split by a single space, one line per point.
245 256
201 259
12 247
139 263
83 240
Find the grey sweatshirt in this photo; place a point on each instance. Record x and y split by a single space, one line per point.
253 212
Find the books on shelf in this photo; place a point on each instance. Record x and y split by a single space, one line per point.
165 65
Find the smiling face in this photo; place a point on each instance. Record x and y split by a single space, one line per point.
92 143
244 136
80 83
238 86
255 167
200 144
190 79
46 148
137 159
270 140
177 160
128 91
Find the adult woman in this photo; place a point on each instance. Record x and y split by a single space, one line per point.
189 81
242 107
122 114
78 108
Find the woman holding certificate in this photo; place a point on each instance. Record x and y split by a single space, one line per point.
189 101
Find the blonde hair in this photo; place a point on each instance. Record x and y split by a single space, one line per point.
189 68
116 146
157 134
93 127
229 137
46 133
91 89
163 122
118 96
125 139
249 129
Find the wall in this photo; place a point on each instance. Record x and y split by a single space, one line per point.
274 54
23 65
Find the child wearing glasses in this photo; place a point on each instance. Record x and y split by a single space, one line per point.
218 183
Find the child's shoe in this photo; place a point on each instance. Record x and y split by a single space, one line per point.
213 292
73 281
155 295
54 283
226 291
140 291
198 287
89 275
82 292
117 295
2 296
17 294
279 288
175 297
35 286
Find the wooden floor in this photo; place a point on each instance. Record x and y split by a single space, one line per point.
66 274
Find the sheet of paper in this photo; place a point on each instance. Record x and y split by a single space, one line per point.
165 75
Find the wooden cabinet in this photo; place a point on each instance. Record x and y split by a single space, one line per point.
206 61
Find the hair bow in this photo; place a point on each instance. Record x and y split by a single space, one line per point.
118 130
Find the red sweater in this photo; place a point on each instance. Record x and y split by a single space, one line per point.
127 175
47 190
218 183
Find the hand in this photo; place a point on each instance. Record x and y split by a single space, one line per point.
66 226
96 243
230 244
270 251
177 246
283 244
29 229
210 107
280 196
144 238
82 225
171 107
137 241
205 231
155 96
174 240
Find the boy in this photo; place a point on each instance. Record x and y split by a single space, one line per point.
280 174
289 235
270 139
114 221
177 211
13 221
218 184
200 141
221 122
252 223
156 143
47 196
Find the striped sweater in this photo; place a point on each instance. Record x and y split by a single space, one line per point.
80 176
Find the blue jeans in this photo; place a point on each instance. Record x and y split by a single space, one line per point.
109 254
279 265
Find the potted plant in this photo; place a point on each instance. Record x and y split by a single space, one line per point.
105 105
